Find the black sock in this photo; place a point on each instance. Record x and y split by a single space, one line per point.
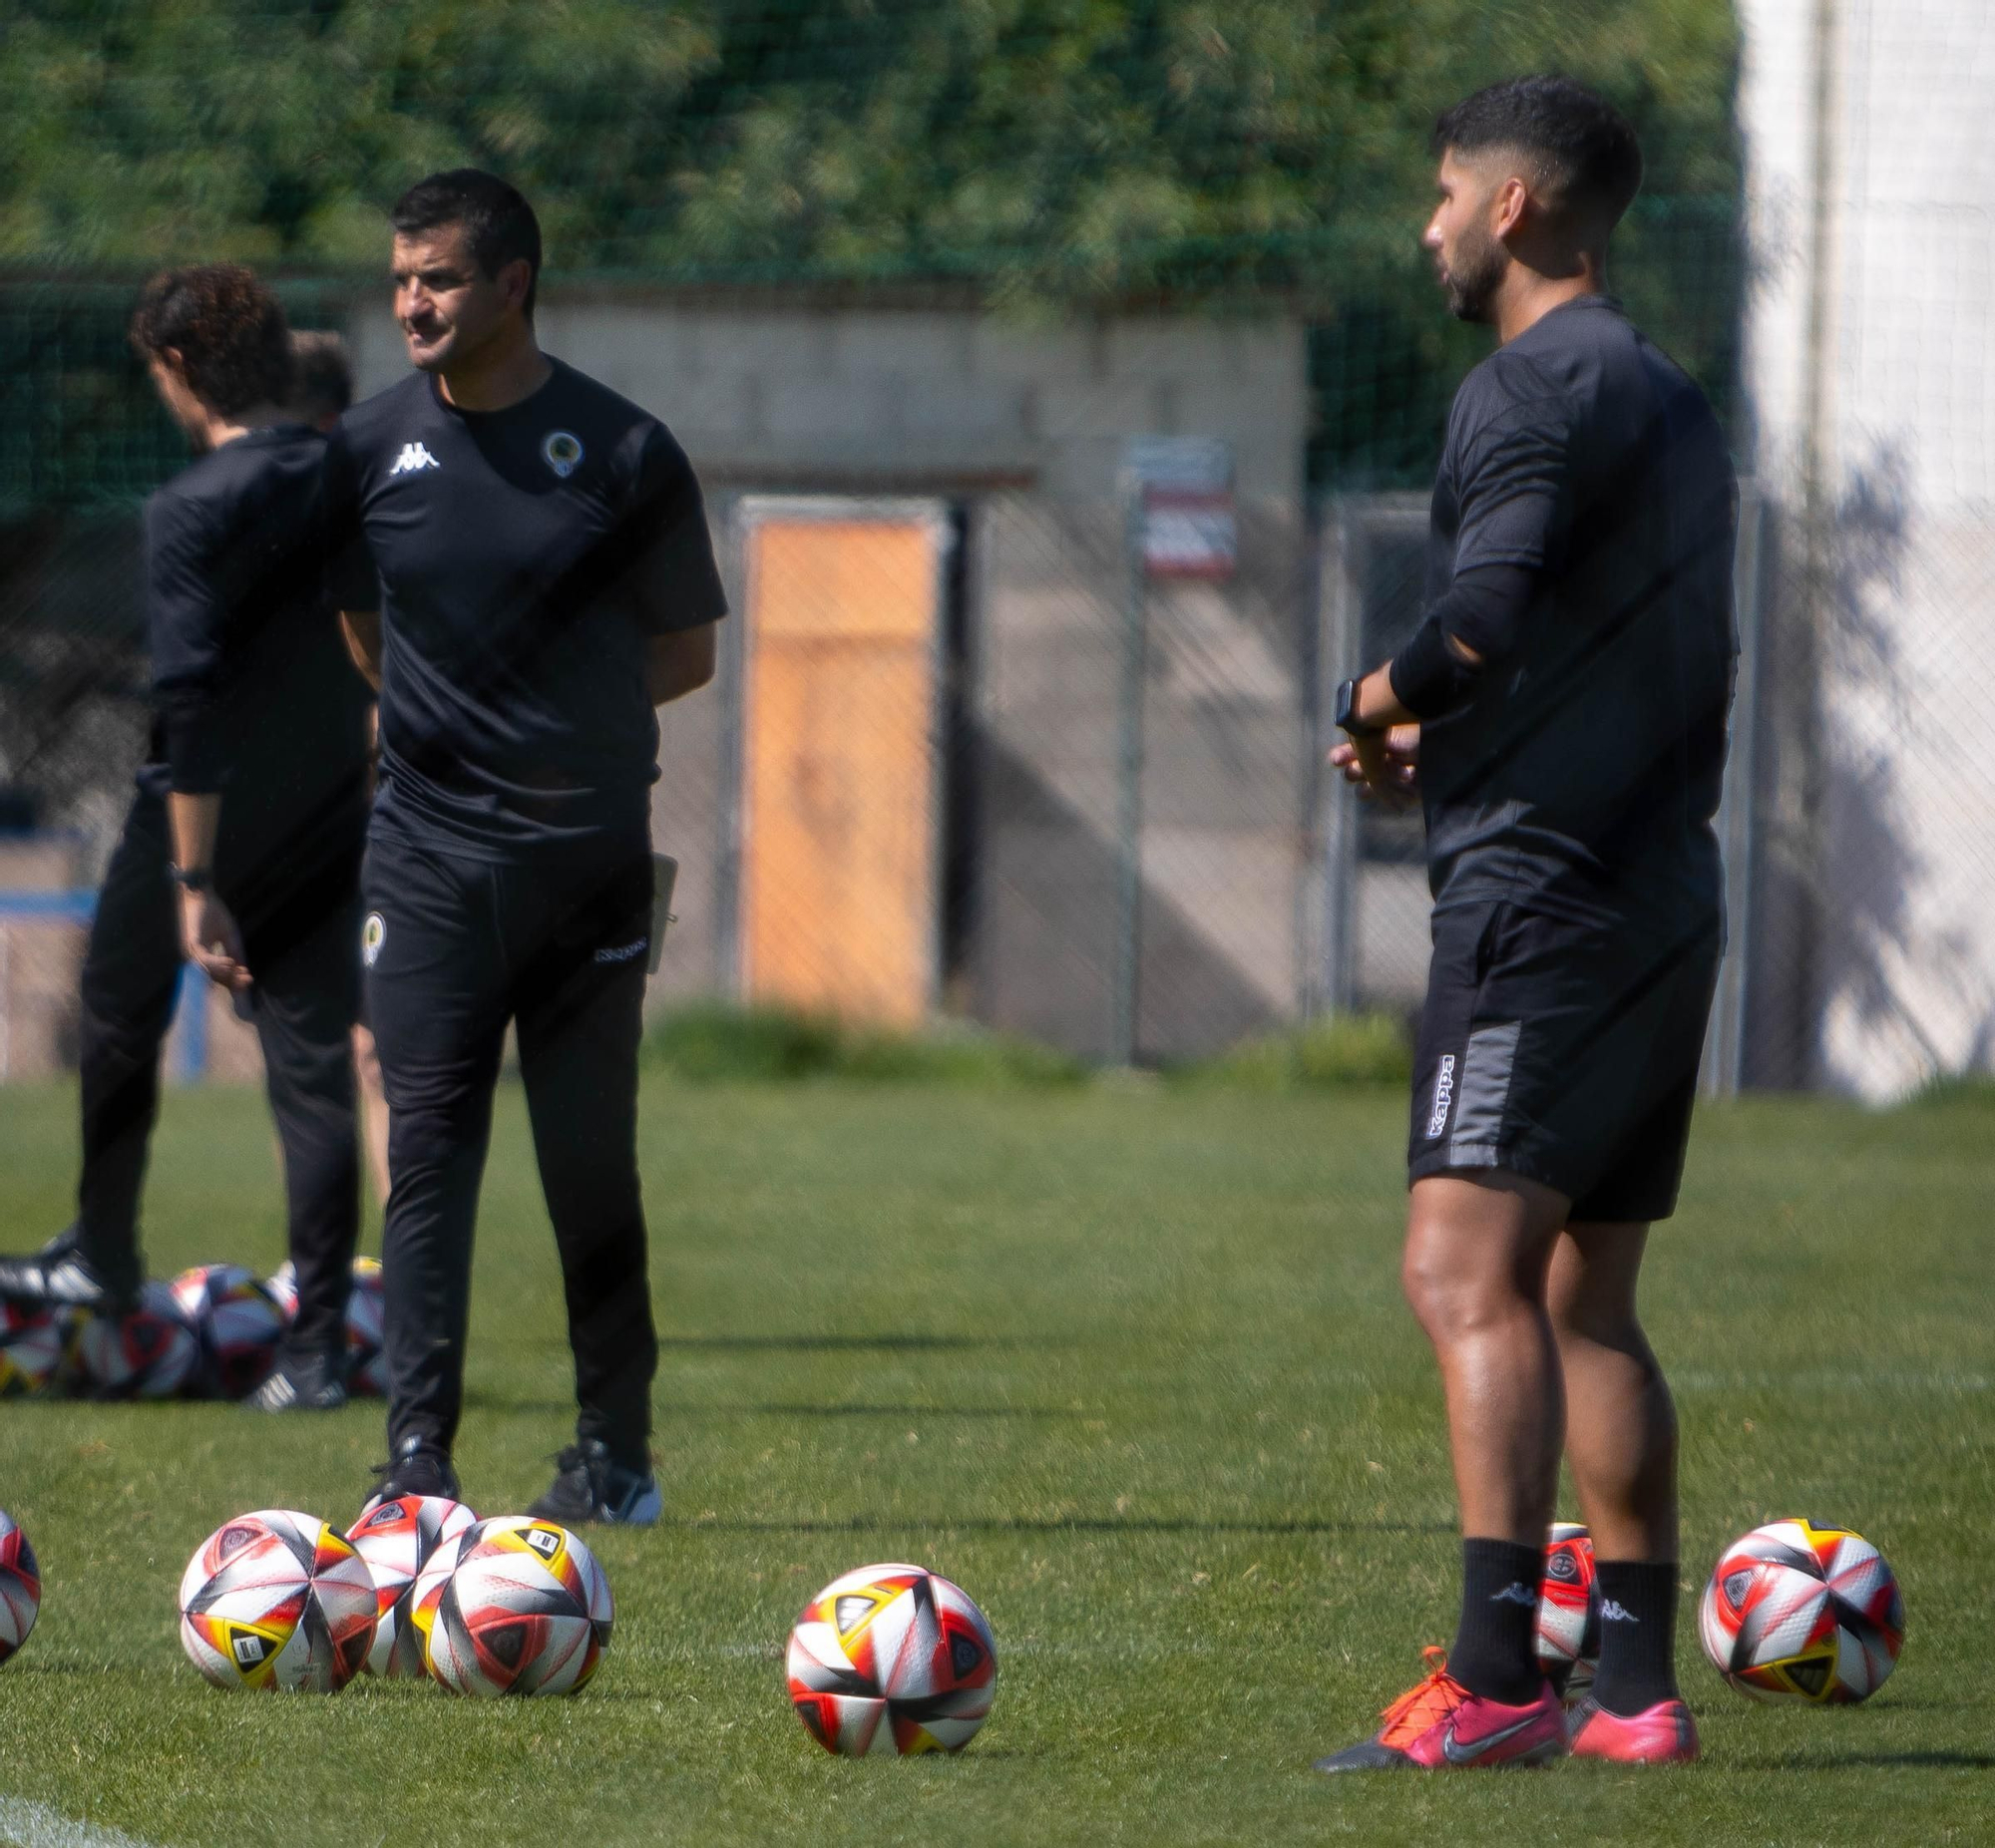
1495 1649
1638 1635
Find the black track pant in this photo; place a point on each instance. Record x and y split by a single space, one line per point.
455 948
299 946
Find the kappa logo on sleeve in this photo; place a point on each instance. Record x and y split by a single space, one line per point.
624 952
1443 1096
414 456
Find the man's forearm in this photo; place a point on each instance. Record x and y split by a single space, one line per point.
195 819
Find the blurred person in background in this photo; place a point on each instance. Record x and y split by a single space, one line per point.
1562 710
321 393
541 579
242 847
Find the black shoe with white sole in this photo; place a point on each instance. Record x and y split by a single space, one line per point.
591 1486
418 1467
302 1383
61 1275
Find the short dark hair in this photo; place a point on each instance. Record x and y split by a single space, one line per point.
499 224
1584 150
228 329
323 381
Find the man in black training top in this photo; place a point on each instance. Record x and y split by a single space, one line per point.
546 581
253 797
1563 710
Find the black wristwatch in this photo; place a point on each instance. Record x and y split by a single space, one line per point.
195 878
1345 714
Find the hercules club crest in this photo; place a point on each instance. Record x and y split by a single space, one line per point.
560 450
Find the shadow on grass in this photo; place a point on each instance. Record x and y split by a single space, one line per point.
870 1411
840 1344
1078 1524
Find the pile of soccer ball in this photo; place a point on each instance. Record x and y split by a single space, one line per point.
1792 1613
419 1587
212 1333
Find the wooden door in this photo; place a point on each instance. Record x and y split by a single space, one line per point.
839 875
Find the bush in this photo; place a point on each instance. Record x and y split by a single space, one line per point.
1336 1051
713 1043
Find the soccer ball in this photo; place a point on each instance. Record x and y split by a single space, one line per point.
426 1593
151 1354
20 1586
239 1323
277 1600
366 1326
31 1342
366 1366
1795 1611
892 1659
525 1610
397 1540
1568 1636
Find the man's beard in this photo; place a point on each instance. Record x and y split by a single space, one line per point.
1473 275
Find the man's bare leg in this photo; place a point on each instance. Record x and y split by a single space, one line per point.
1477 1251
1621 1426
1621 1442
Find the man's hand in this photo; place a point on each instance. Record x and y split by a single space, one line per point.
212 942
1385 766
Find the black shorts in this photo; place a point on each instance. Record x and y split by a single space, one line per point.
1563 1052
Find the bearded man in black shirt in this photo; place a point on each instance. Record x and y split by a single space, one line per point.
1562 712
545 579
252 799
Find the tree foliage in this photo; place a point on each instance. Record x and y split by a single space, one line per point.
1072 148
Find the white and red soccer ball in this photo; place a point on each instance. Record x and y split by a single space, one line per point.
20 1586
1568 1631
524 1609
892 1659
151 1352
366 1322
398 1539
238 1324
1801 1612
277 1600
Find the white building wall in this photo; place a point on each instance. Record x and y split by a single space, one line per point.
1903 838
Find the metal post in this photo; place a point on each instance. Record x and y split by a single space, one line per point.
1129 785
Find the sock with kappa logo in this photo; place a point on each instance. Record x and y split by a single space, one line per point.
1495 1645
1638 1635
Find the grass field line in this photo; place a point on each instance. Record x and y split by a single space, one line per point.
36 1825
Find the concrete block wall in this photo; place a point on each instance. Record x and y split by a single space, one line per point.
1026 425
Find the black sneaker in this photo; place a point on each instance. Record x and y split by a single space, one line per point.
60 1274
591 1486
418 1467
302 1383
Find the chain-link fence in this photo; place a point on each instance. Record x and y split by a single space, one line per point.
1065 382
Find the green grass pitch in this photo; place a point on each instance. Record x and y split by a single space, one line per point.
1130 1365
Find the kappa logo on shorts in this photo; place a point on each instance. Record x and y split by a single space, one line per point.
1443 1096
624 952
560 450
374 933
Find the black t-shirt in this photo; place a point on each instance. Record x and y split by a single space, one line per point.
1582 776
513 549
255 696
